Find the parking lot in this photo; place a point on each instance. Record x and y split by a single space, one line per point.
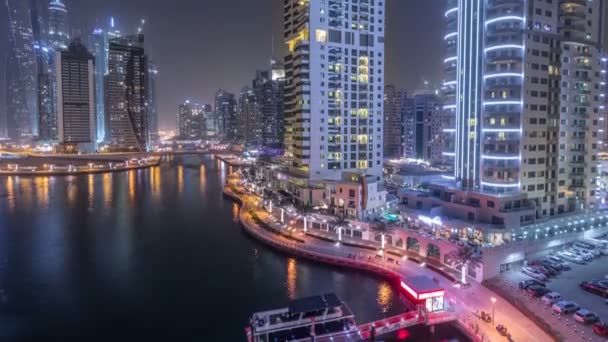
567 284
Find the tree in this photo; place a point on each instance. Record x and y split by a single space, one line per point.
465 256
340 221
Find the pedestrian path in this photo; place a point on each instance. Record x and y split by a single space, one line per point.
467 301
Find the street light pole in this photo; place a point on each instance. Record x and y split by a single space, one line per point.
493 302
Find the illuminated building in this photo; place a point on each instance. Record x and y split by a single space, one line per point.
269 89
226 115
394 134
527 78
76 98
423 121
58 34
522 85
152 105
250 120
99 45
21 81
334 87
126 94
191 121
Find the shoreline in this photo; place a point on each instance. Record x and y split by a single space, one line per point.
78 172
293 250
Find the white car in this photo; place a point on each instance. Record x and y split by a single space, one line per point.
533 273
571 257
551 297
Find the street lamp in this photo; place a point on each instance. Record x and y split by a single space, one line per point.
493 302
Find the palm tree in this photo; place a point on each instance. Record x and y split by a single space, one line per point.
340 221
465 256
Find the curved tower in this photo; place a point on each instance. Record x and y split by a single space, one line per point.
58 31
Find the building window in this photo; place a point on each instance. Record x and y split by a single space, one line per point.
321 36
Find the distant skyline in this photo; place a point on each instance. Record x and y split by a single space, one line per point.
203 45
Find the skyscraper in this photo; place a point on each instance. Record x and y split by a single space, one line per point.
99 45
250 118
226 112
423 122
394 100
269 89
126 94
21 98
191 121
58 34
334 87
522 85
152 105
76 99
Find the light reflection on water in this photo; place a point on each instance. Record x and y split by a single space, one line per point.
133 248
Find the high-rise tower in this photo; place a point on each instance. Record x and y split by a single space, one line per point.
334 87
126 91
58 34
21 103
522 83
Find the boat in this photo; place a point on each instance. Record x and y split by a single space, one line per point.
318 318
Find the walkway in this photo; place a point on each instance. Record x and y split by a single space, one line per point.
466 301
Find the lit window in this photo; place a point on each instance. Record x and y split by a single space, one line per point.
321 36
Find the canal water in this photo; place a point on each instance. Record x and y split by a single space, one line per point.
153 255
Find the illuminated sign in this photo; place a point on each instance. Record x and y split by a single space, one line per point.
421 296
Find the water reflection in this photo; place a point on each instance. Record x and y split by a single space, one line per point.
155 182
41 185
107 190
72 191
385 296
203 177
132 186
10 192
235 212
91 182
180 179
292 277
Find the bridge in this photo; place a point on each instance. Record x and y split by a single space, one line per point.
409 319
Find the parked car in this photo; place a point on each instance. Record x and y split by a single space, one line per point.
600 328
563 263
537 291
565 307
585 316
594 287
542 269
526 283
571 257
586 247
533 273
552 264
551 297
584 251
585 257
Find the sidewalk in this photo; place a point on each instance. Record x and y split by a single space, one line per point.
475 298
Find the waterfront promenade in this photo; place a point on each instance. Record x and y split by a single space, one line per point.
465 301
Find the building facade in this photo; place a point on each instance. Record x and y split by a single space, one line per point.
250 119
522 86
58 33
126 91
152 103
99 45
394 130
191 121
75 72
269 89
334 87
21 73
226 113
423 122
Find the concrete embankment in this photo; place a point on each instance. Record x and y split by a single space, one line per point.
300 249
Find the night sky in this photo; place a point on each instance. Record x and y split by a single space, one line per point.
203 45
